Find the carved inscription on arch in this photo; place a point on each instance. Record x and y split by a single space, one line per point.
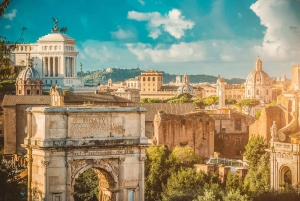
95 126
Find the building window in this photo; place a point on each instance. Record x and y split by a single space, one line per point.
37 92
238 124
223 130
28 92
0 122
55 81
238 141
19 92
148 78
153 79
51 81
144 79
46 81
267 92
257 92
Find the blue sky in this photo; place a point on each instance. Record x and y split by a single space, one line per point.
215 37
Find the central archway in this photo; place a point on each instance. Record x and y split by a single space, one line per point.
106 170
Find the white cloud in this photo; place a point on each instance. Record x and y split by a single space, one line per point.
11 15
123 34
141 2
7 27
101 54
214 51
240 15
173 22
282 37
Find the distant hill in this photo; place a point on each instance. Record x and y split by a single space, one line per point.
120 75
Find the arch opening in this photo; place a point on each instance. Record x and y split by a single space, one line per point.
286 176
93 184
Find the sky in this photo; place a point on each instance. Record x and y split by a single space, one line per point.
214 37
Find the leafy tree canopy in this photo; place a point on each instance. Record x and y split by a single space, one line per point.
247 104
255 149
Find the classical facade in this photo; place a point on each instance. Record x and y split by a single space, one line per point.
55 57
285 140
62 143
28 81
195 130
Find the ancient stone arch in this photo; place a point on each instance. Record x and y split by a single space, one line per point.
285 173
64 142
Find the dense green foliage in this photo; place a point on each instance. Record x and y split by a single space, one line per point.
151 100
11 185
170 176
182 98
86 186
118 75
247 104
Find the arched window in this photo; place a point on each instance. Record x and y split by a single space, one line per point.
153 79
144 79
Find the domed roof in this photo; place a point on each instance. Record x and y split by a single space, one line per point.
29 72
56 37
258 76
185 89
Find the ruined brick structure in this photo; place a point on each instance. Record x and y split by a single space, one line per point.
195 130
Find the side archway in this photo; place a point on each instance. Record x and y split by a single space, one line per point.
285 175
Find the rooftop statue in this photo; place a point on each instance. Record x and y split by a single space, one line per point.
55 29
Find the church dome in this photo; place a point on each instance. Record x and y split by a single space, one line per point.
56 37
258 76
185 89
28 73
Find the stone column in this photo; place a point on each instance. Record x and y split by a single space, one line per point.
141 189
120 195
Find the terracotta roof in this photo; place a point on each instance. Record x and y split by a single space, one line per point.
96 98
170 108
12 100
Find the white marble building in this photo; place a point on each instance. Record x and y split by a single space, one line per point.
54 57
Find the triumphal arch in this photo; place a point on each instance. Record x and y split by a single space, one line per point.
63 142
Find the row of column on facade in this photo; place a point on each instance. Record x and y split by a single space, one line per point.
52 67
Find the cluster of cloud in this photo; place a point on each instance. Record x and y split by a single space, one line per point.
282 37
11 15
173 22
123 34
101 54
209 50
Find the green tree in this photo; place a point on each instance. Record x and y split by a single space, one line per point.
86 186
257 179
247 104
255 149
273 103
199 103
156 171
3 6
12 186
209 195
182 157
230 101
233 182
235 196
182 98
184 185
211 101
